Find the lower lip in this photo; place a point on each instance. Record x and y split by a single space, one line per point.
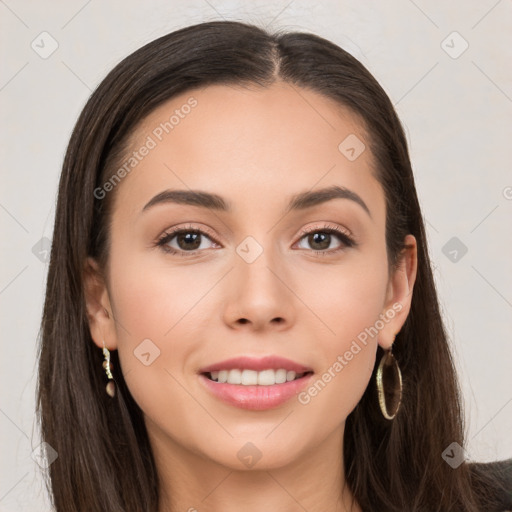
256 398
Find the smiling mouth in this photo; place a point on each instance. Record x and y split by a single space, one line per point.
244 377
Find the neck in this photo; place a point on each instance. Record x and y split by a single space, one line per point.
312 480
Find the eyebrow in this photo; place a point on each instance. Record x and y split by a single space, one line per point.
298 202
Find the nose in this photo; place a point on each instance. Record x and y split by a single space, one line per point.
259 295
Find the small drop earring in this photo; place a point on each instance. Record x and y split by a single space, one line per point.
107 365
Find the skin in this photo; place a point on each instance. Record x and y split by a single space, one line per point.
255 147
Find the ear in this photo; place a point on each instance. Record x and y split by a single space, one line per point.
399 293
99 311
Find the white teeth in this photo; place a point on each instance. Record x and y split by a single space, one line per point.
234 377
253 378
290 376
280 376
267 378
249 377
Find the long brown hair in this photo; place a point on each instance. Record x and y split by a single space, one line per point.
104 457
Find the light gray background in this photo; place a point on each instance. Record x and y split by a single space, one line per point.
457 117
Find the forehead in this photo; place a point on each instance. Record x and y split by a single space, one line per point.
249 143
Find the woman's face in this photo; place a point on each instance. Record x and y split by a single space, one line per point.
253 283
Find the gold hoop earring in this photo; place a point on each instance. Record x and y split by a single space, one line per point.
107 365
388 362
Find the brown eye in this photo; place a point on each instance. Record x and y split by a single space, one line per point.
320 239
183 241
188 240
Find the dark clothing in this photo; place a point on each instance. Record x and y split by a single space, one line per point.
500 471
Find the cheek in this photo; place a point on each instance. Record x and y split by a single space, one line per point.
347 299
152 300
349 302
334 393
162 314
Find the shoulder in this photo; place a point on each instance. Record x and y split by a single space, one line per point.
495 475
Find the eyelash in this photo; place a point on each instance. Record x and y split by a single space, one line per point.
330 229
346 240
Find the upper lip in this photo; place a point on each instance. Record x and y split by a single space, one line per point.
258 364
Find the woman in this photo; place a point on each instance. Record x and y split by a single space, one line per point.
240 309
